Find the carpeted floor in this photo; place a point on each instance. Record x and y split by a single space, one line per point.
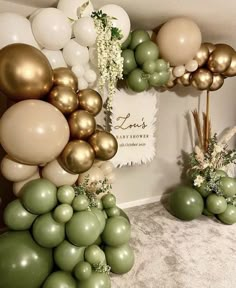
174 254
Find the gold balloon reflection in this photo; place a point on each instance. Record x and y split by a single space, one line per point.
218 81
202 79
65 77
231 71
185 79
90 100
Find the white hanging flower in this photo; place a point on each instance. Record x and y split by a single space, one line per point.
198 181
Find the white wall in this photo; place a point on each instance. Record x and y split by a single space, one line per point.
146 181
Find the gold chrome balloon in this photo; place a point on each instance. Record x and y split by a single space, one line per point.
77 157
104 145
25 72
202 55
218 81
231 71
65 77
202 79
185 79
90 100
64 98
211 47
220 59
82 124
170 84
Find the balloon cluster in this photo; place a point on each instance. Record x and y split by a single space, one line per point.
142 67
187 203
63 237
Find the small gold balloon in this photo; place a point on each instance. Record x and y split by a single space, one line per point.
231 71
220 59
211 47
218 81
65 77
82 124
202 79
77 157
104 145
64 98
25 72
90 100
185 79
202 55
170 84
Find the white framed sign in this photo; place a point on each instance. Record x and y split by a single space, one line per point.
133 123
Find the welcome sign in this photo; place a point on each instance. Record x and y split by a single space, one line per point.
133 124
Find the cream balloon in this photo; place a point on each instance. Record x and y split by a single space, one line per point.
55 58
111 178
78 70
51 28
15 171
75 54
18 185
71 8
121 19
33 132
90 76
15 29
82 83
94 175
191 65
107 167
57 175
179 39
85 32
178 71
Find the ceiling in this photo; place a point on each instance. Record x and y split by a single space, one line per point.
216 19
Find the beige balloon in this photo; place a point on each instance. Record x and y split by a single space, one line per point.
202 79
179 71
57 175
202 54
33 132
107 167
218 81
15 171
94 176
111 178
18 185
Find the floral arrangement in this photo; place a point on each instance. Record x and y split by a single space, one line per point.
110 61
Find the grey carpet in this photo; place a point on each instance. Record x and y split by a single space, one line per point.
175 254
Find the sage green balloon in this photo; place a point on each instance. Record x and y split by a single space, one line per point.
82 271
216 204
125 44
203 190
164 77
47 232
228 186
229 215
80 203
155 79
186 203
121 258
67 255
149 66
23 263
65 194
101 218
96 280
146 51
39 196
63 213
221 173
129 63
114 211
207 213
108 200
117 231
137 80
161 65
94 255
137 37
60 279
99 204
83 228
16 217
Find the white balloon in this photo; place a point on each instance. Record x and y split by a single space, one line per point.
57 175
78 70
18 185
90 76
15 29
179 71
51 28
82 83
121 20
71 8
107 167
75 54
36 12
55 58
85 32
191 66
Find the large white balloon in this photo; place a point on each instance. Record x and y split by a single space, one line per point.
51 28
57 175
55 58
71 8
75 54
121 20
15 29
85 32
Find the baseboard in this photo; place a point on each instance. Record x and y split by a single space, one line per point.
140 202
